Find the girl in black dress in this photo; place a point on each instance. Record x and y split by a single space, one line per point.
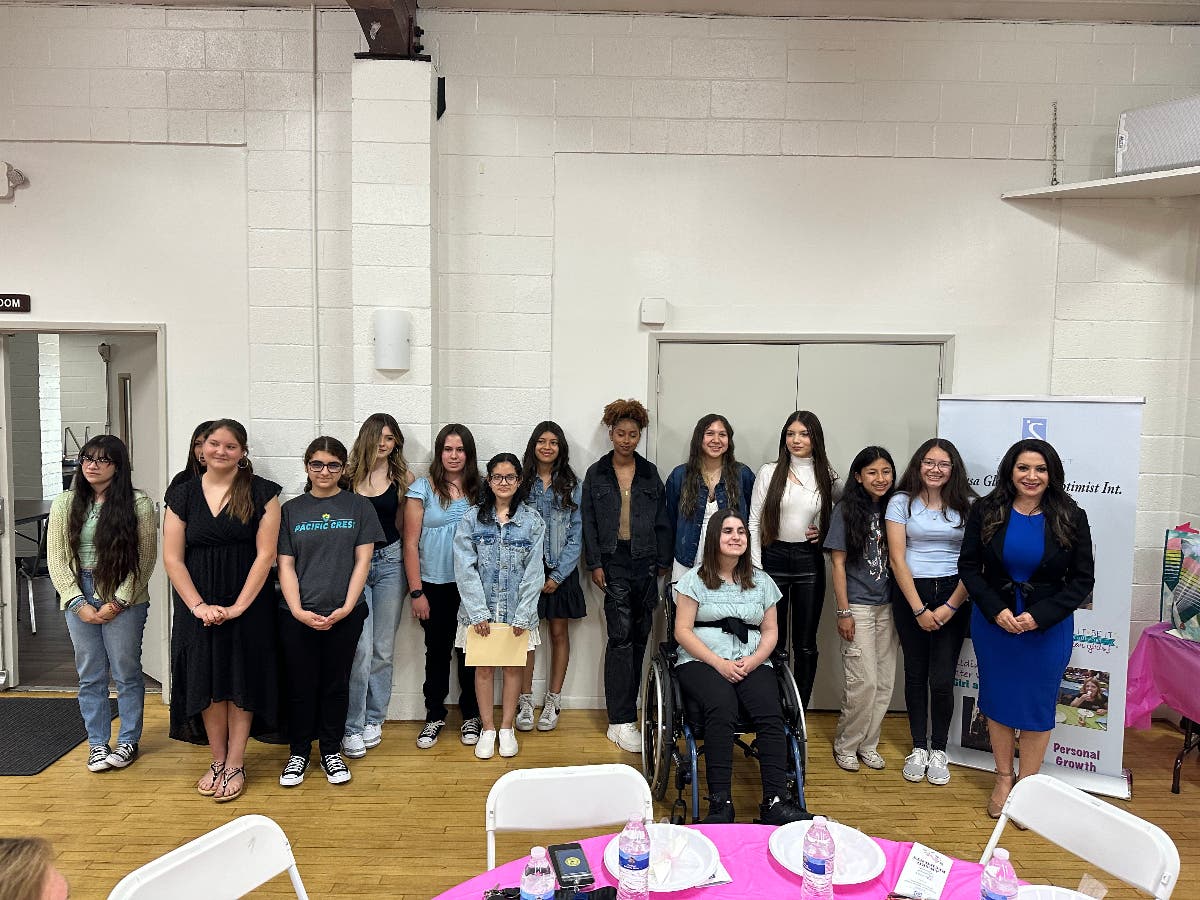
219 540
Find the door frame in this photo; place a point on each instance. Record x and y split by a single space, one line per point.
8 627
658 338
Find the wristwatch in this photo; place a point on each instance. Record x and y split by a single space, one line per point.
413 595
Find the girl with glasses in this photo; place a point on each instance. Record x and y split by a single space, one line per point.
925 520
789 512
327 536
103 540
378 471
219 537
442 498
500 574
554 490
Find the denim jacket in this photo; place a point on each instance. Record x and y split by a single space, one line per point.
649 527
564 528
687 530
499 568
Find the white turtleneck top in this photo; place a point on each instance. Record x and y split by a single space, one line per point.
799 507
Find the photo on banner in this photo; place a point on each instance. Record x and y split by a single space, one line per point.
1099 440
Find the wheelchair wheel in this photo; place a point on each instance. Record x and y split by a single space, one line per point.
793 713
658 726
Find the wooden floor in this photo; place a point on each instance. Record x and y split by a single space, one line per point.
410 824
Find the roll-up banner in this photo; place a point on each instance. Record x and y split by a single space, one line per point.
1099 441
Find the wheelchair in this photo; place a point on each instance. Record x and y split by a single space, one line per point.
672 727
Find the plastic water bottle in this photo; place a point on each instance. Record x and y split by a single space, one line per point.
634 852
818 862
537 882
998 881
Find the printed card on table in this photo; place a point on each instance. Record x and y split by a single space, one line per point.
924 874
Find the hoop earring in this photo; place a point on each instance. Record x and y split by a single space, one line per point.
243 463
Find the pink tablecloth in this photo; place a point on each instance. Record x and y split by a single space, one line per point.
755 872
1162 669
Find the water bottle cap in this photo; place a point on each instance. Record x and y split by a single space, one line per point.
820 820
538 853
1000 853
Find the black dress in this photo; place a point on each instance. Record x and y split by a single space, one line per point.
237 660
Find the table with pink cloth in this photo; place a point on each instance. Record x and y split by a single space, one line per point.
745 855
1165 669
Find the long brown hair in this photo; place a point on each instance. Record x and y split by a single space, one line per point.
743 569
825 475
437 472
366 445
957 493
693 478
116 536
1057 505
239 500
563 479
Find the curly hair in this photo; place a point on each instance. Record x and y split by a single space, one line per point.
116 535
630 409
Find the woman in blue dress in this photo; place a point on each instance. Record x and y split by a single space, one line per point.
1027 563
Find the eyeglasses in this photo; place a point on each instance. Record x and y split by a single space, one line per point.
938 464
85 460
315 465
504 479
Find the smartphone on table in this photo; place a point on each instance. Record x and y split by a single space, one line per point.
570 865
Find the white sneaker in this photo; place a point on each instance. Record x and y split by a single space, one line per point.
508 742
372 736
915 764
872 760
627 736
846 761
354 746
485 747
525 712
548 720
939 768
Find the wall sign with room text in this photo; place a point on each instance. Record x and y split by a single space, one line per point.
14 303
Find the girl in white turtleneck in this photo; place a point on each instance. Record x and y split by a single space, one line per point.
789 514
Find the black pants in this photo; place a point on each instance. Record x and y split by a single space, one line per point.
799 571
930 660
440 629
718 700
317 666
629 600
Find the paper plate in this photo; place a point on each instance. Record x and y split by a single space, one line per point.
857 858
1048 892
694 865
1060 717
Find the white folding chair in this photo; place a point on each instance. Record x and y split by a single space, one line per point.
565 797
224 864
1136 851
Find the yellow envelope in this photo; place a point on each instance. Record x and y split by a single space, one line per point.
500 648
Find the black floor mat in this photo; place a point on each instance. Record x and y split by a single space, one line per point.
36 731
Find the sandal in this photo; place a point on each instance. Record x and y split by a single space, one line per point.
216 768
229 775
995 809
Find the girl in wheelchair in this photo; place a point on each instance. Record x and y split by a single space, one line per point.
726 628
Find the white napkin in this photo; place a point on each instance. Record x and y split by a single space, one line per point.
664 854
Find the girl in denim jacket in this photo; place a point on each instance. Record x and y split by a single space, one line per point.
498 567
553 489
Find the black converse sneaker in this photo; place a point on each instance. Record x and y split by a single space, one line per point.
335 768
429 734
122 756
293 772
98 758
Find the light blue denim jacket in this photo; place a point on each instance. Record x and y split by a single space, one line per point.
564 528
499 568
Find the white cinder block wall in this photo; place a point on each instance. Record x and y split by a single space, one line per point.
521 88
82 386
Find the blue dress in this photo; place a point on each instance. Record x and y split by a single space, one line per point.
1019 674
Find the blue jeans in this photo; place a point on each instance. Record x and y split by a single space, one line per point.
115 646
371 673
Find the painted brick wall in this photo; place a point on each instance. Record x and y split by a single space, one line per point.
81 384
522 87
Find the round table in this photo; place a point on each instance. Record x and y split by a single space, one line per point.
745 855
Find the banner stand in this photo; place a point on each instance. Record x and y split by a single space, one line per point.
1099 440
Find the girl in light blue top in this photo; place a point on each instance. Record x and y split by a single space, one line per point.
498 565
429 525
554 490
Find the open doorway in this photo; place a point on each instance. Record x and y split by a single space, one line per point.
63 388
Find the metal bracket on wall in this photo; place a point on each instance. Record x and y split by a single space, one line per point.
390 29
